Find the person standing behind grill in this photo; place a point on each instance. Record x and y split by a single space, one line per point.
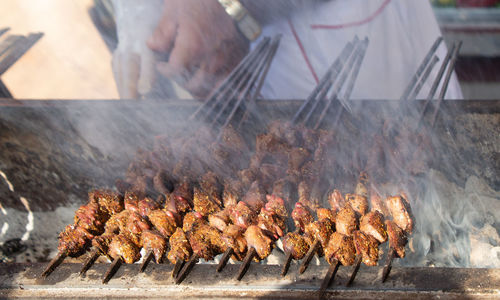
197 43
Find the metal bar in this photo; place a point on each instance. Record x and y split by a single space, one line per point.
423 79
4 91
19 51
355 73
421 69
4 30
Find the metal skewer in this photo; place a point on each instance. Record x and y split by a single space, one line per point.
225 258
329 277
147 260
286 265
357 264
187 268
246 263
94 255
307 259
424 77
387 269
177 268
54 263
113 268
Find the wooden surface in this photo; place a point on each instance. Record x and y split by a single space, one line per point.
70 61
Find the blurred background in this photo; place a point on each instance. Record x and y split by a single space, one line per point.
55 65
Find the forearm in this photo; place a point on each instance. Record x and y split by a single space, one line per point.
265 11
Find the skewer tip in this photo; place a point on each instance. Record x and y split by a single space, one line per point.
287 263
115 265
187 269
357 264
307 259
246 263
329 277
225 258
89 262
177 268
54 263
388 266
147 260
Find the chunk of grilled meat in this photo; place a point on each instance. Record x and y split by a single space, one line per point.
233 192
397 238
276 205
180 249
273 224
124 248
255 197
233 238
373 224
91 218
327 215
131 201
200 242
136 224
306 195
183 196
257 239
295 244
378 204
361 187
117 222
336 200
164 221
211 186
219 220
102 242
241 215
358 203
147 205
190 219
109 201
340 248
301 215
321 231
297 157
367 247
346 221
401 212
285 189
74 240
155 242
203 202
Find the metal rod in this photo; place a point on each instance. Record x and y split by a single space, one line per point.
423 79
187 268
446 81
329 277
225 258
20 50
54 263
177 268
286 265
113 268
149 256
4 30
421 69
94 255
246 263
357 264
387 269
307 259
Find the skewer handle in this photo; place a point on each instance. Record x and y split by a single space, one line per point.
330 275
357 264
307 259
286 266
177 268
94 255
187 268
147 260
388 266
246 263
225 258
115 265
54 263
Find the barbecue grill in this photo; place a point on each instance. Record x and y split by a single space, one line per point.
76 165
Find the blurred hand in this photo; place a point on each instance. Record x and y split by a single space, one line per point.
201 42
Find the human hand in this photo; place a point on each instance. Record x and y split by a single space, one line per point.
201 42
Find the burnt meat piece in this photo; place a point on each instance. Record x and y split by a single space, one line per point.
255 198
257 239
340 248
241 215
91 218
179 247
155 242
373 224
190 219
346 221
301 216
233 238
295 244
110 202
397 238
74 240
321 231
204 203
122 247
367 247
401 212
336 200
358 203
164 221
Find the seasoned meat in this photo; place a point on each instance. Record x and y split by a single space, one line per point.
190 219
164 221
321 231
231 138
179 247
203 202
401 212
397 238
346 221
340 248
276 205
211 186
233 191
255 197
361 187
200 243
241 215
136 224
183 196
219 220
124 248
110 202
269 173
301 216
373 224
271 144
257 239
295 244
131 201
271 223
285 189
233 238
155 242
297 157
378 204
327 215
163 183
147 205
358 203
102 242
367 247
91 218
309 194
74 240
247 177
336 200
117 222
122 186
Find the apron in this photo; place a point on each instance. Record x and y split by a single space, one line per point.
401 33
